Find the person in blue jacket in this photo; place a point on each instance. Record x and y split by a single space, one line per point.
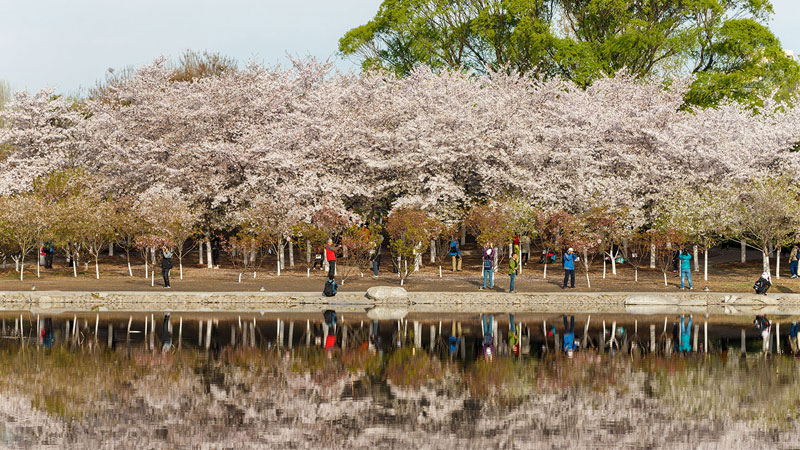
686 336
686 267
569 268
455 254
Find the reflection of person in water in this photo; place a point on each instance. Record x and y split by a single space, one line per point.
686 335
569 335
488 340
330 321
47 332
374 337
166 334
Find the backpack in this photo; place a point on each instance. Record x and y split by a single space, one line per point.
328 291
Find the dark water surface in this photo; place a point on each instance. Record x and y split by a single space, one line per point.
260 386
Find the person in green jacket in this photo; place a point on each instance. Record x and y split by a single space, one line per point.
686 267
513 266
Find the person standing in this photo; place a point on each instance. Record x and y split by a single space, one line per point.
488 266
330 257
686 267
455 254
569 259
793 257
166 265
49 250
525 244
513 266
376 258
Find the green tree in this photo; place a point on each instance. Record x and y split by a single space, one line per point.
725 45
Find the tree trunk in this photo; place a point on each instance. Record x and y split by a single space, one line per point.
636 274
200 253
665 279
110 249
705 263
545 268
613 261
652 256
291 253
308 253
96 268
75 265
433 251
180 266
604 267
463 234
778 263
253 252
744 251
696 259
21 266
586 267
282 255
765 253
209 256
146 273
278 258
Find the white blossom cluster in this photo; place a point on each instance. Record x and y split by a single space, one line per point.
308 137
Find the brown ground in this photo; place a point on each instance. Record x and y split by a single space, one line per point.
726 274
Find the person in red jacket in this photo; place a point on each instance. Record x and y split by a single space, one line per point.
330 256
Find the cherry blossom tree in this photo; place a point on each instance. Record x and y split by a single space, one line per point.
410 230
22 225
766 213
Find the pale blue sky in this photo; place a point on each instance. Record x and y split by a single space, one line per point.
70 44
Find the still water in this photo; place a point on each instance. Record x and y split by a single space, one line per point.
266 381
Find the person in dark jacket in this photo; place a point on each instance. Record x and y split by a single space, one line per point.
166 265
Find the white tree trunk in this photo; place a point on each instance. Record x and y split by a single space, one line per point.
180 268
281 256
636 274
75 265
765 265
778 263
652 256
744 251
130 271
291 253
308 252
705 264
96 269
38 257
613 261
253 252
604 268
545 268
21 267
463 234
146 273
586 267
209 259
278 259
200 253
110 249
665 279
696 259
433 251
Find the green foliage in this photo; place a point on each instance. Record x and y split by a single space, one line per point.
725 44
